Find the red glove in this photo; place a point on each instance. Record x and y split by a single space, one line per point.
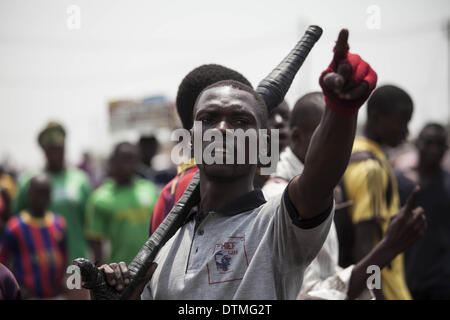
348 81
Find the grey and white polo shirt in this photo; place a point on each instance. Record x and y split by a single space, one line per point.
250 249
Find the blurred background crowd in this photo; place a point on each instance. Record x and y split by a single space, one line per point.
87 96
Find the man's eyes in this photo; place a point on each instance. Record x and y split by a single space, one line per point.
241 121
206 119
236 121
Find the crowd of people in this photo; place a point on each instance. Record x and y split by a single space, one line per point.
336 204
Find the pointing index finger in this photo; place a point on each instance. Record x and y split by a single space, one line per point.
341 48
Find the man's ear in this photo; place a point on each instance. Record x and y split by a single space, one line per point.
268 139
191 132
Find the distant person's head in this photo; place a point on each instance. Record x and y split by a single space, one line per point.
52 141
389 111
124 161
148 148
432 144
279 119
305 117
39 193
194 83
86 157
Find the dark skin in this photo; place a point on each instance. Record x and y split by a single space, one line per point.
408 225
432 145
405 228
39 196
312 192
279 119
386 130
39 193
223 108
55 158
123 166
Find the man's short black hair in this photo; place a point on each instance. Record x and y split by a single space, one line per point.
387 99
147 139
440 129
118 147
261 107
309 107
194 83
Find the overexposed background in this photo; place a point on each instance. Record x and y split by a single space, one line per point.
131 49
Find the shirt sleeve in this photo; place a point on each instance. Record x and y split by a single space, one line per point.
363 182
96 220
299 240
273 188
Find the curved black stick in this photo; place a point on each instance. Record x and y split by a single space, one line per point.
274 87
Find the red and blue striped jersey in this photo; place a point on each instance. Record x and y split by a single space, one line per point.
172 192
36 247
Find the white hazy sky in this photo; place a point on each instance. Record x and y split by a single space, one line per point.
130 49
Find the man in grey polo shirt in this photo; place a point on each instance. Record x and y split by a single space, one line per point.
235 245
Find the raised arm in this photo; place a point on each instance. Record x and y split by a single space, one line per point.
346 84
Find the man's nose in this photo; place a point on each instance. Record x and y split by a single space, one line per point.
223 126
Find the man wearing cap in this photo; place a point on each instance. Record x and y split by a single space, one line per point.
70 188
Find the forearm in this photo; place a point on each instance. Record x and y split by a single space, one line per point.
325 163
380 256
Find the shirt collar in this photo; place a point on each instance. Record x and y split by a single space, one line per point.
46 220
186 165
244 203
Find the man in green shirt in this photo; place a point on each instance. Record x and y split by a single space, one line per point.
70 189
120 209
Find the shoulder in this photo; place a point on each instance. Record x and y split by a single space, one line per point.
24 179
104 193
13 223
59 220
145 184
274 187
76 174
361 168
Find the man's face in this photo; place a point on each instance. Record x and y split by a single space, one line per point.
394 126
39 195
55 157
125 163
279 119
221 109
432 145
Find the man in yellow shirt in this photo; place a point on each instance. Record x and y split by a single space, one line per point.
369 182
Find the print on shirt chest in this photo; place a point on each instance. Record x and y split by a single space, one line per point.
228 262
